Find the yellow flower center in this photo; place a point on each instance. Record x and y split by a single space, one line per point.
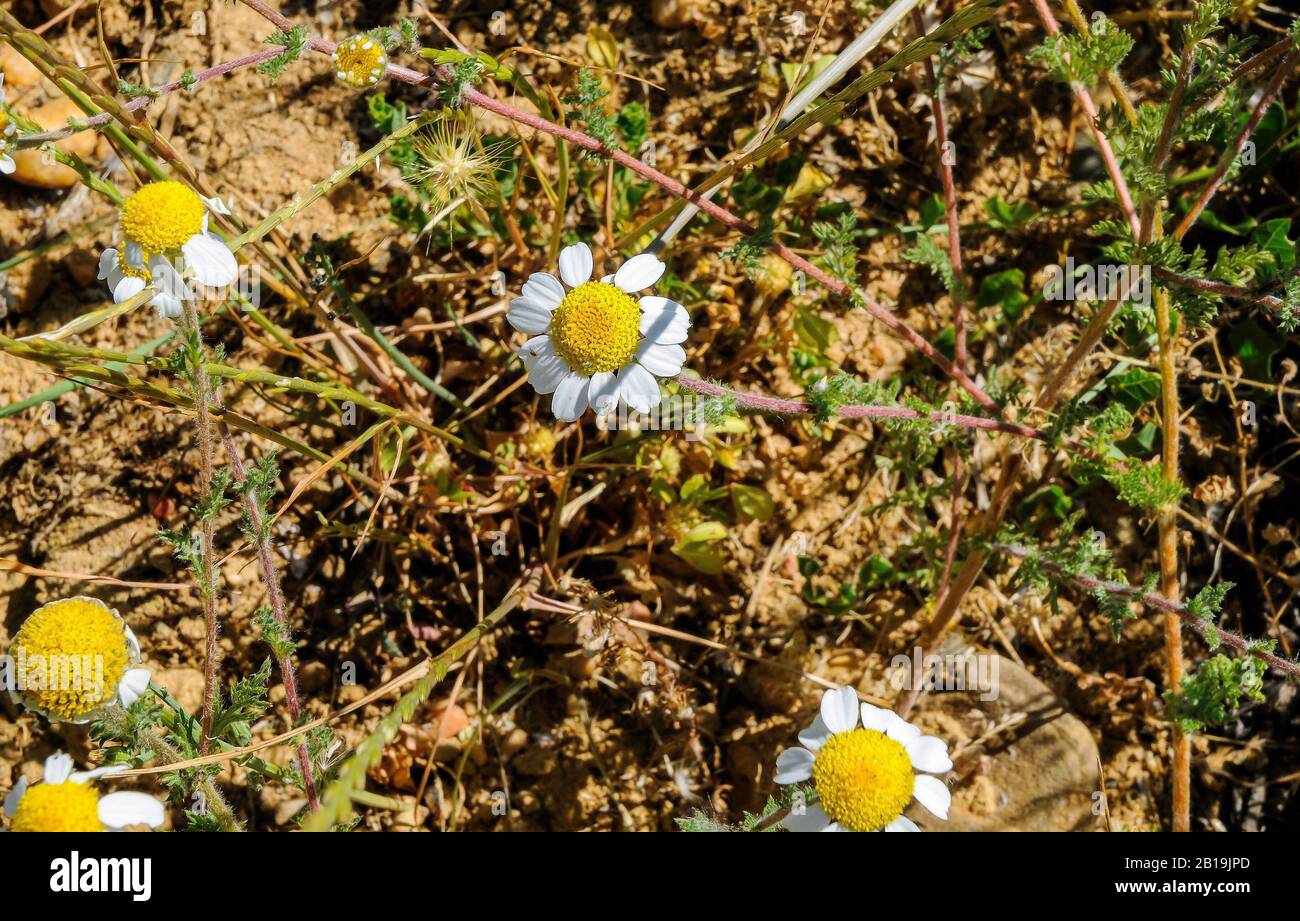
863 778
360 62
58 807
162 216
596 328
72 654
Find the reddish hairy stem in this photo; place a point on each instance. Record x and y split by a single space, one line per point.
1103 145
275 598
1225 163
1168 606
141 102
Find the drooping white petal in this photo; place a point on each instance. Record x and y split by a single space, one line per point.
575 264
126 807
875 718
133 252
815 736
664 321
902 823
929 754
794 765
570 400
133 685
107 263
603 392
58 768
209 261
638 388
216 205
124 287
88 776
639 273
932 793
7 165
132 644
528 316
545 289
663 360
16 794
840 709
814 818
166 306
901 731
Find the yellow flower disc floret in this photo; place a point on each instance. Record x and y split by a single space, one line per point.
863 778
58 807
162 216
596 328
71 638
360 62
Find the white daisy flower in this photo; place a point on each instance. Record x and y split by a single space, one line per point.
596 343
7 132
125 282
73 658
170 220
65 801
864 775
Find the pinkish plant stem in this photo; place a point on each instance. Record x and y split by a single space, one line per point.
141 102
275 599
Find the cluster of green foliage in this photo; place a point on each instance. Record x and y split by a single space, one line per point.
294 41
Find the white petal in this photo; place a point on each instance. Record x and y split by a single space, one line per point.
638 388
814 818
134 254
876 718
570 400
528 316
794 765
835 826
107 263
167 307
7 165
132 643
58 768
663 360
118 810
607 279
639 273
603 392
124 287
87 776
664 321
929 754
901 731
545 289
209 261
840 710
547 373
16 794
932 793
815 736
216 205
133 685
902 823
575 264
534 349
